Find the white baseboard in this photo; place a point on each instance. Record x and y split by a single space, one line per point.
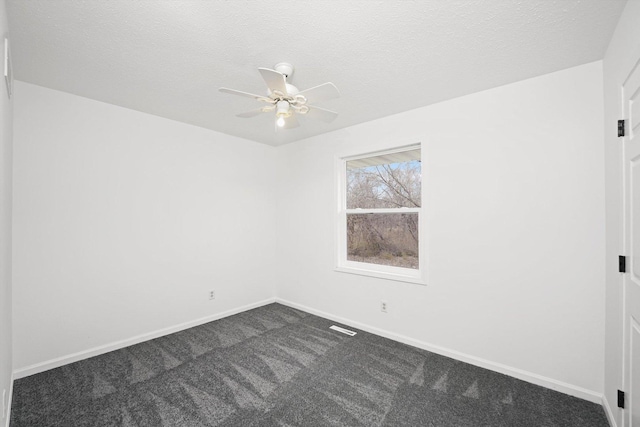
9 398
609 412
540 380
521 374
95 351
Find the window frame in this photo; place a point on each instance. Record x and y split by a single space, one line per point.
343 265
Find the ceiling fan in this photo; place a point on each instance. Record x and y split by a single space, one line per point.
286 100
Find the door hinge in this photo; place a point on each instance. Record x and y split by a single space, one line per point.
622 264
620 399
620 128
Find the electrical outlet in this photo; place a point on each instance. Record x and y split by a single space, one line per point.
212 294
383 306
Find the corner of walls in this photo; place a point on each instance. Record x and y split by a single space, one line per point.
9 400
6 200
611 417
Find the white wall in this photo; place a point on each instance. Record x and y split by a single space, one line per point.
6 124
623 51
124 221
515 205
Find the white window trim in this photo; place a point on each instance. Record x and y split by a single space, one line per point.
375 270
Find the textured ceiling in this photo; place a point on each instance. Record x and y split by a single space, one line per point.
169 58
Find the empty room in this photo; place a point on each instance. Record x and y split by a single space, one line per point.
320 213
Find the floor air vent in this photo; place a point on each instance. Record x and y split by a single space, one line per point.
343 330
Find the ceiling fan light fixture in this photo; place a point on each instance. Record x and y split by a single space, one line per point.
283 110
287 101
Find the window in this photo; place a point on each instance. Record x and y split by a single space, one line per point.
380 214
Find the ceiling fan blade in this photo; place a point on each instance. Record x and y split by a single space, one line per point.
321 93
321 114
238 92
251 113
274 80
291 122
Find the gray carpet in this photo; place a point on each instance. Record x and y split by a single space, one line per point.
276 366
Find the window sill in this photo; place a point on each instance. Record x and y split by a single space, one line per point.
417 279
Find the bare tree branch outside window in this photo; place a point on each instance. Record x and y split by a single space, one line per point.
387 238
